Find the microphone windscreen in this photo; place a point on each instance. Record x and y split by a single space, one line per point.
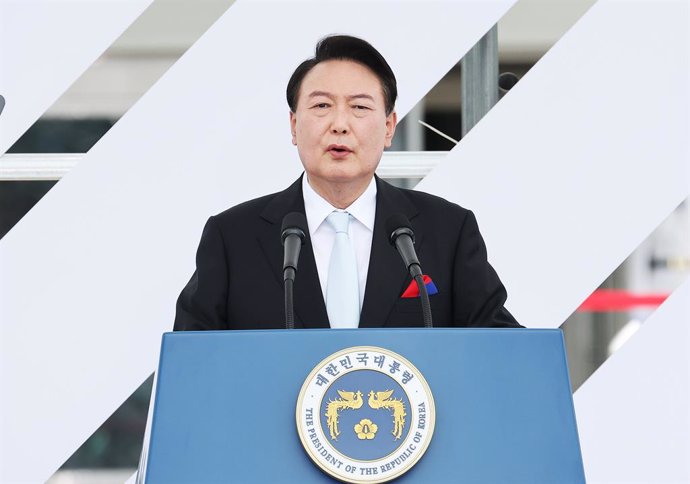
294 223
395 222
294 220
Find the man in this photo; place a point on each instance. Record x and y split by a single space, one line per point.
342 117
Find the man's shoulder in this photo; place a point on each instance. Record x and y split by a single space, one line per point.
429 204
250 208
270 207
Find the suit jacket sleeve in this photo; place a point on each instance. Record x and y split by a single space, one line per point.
202 305
479 294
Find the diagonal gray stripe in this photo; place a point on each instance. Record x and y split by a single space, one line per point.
551 19
145 51
588 335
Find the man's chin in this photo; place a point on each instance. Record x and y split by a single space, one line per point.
347 177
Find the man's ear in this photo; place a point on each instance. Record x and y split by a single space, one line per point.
391 123
293 127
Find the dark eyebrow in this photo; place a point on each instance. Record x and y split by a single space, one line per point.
321 93
360 96
349 98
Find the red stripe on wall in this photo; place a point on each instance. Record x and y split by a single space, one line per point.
619 300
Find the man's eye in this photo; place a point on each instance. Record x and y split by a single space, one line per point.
359 106
321 105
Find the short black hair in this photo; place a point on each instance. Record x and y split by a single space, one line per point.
346 47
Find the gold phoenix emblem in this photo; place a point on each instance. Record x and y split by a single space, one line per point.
353 401
349 400
383 400
321 406
366 429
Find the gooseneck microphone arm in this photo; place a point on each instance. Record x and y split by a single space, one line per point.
289 304
402 238
292 235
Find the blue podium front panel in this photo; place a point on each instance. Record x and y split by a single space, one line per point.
225 405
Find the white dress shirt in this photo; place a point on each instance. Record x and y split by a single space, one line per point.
360 231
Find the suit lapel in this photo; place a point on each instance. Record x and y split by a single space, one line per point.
310 309
387 274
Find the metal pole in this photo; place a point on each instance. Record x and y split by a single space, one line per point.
479 80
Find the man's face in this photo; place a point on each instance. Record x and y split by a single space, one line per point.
340 125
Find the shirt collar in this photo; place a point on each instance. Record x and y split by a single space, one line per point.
317 208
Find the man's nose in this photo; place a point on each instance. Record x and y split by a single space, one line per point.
340 123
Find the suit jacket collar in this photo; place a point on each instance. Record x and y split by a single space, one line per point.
310 309
387 274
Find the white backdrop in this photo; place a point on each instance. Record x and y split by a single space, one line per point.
45 46
582 159
567 175
91 274
634 412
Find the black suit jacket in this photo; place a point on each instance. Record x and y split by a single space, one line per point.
238 282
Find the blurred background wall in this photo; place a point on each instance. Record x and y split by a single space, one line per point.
97 100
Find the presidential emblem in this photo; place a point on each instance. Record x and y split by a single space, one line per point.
365 415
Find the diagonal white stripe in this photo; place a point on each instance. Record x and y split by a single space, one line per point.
137 59
633 416
570 171
96 266
45 45
582 330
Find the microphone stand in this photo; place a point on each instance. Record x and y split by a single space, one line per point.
402 238
426 304
416 272
292 237
289 280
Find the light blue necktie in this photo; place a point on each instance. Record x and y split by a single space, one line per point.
342 291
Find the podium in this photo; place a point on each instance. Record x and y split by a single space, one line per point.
224 406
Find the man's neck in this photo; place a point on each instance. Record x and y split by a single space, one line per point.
339 195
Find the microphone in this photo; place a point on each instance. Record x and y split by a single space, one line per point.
292 236
401 236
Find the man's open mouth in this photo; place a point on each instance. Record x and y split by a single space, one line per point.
339 149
